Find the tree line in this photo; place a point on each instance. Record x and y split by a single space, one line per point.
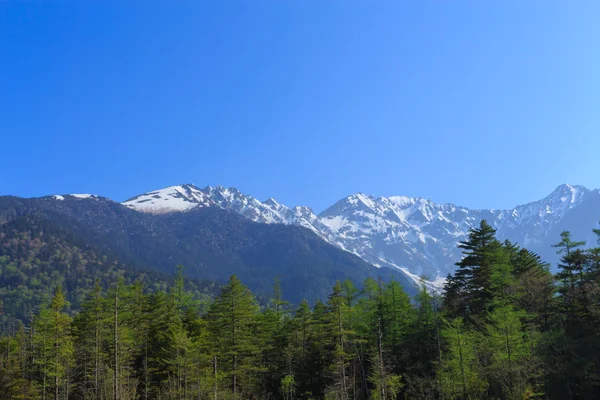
503 327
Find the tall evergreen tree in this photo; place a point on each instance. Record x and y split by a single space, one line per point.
566 247
338 309
461 374
469 292
233 324
54 347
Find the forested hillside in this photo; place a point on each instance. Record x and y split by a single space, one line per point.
504 328
36 258
211 243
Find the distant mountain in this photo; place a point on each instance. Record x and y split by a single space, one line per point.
211 242
415 235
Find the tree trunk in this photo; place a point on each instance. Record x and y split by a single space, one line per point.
97 357
234 375
381 366
56 345
146 370
216 382
32 346
509 354
342 366
116 344
234 347
439 348
462 367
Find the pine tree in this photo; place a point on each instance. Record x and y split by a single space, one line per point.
322 342
577 335
54 346
568 270
512 366
14 366
469 288
121 341
397 315
337 313
534 288
275 343
13 384
461 375
233 325
300 341
182 360
422 348
90 328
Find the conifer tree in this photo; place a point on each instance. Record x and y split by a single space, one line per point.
233 325
300 341
90 329
422 348
512 366
461 375
337 313
565 247
54 346
14 366
397 316
470 285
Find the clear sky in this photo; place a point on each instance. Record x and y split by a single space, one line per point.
486 104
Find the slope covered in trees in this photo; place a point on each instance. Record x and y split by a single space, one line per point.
504 328
212 243
36 258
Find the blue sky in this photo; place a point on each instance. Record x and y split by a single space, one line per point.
479 103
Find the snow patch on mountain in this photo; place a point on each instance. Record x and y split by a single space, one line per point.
172 199
75 195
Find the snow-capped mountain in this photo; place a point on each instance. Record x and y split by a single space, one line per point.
174 198
188 196
415 235
75 195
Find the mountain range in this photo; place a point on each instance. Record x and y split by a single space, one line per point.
414 235
210 242
216 232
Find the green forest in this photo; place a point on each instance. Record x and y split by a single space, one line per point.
503 327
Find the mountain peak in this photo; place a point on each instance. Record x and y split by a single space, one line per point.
566 187
171 199
569 194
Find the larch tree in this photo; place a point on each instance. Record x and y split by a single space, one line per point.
54 346
233 324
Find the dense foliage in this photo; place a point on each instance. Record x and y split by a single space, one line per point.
36 258
504 328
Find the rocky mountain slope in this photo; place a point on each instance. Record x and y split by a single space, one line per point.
414 235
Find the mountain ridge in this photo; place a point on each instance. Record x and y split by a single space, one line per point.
212 243
412 234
